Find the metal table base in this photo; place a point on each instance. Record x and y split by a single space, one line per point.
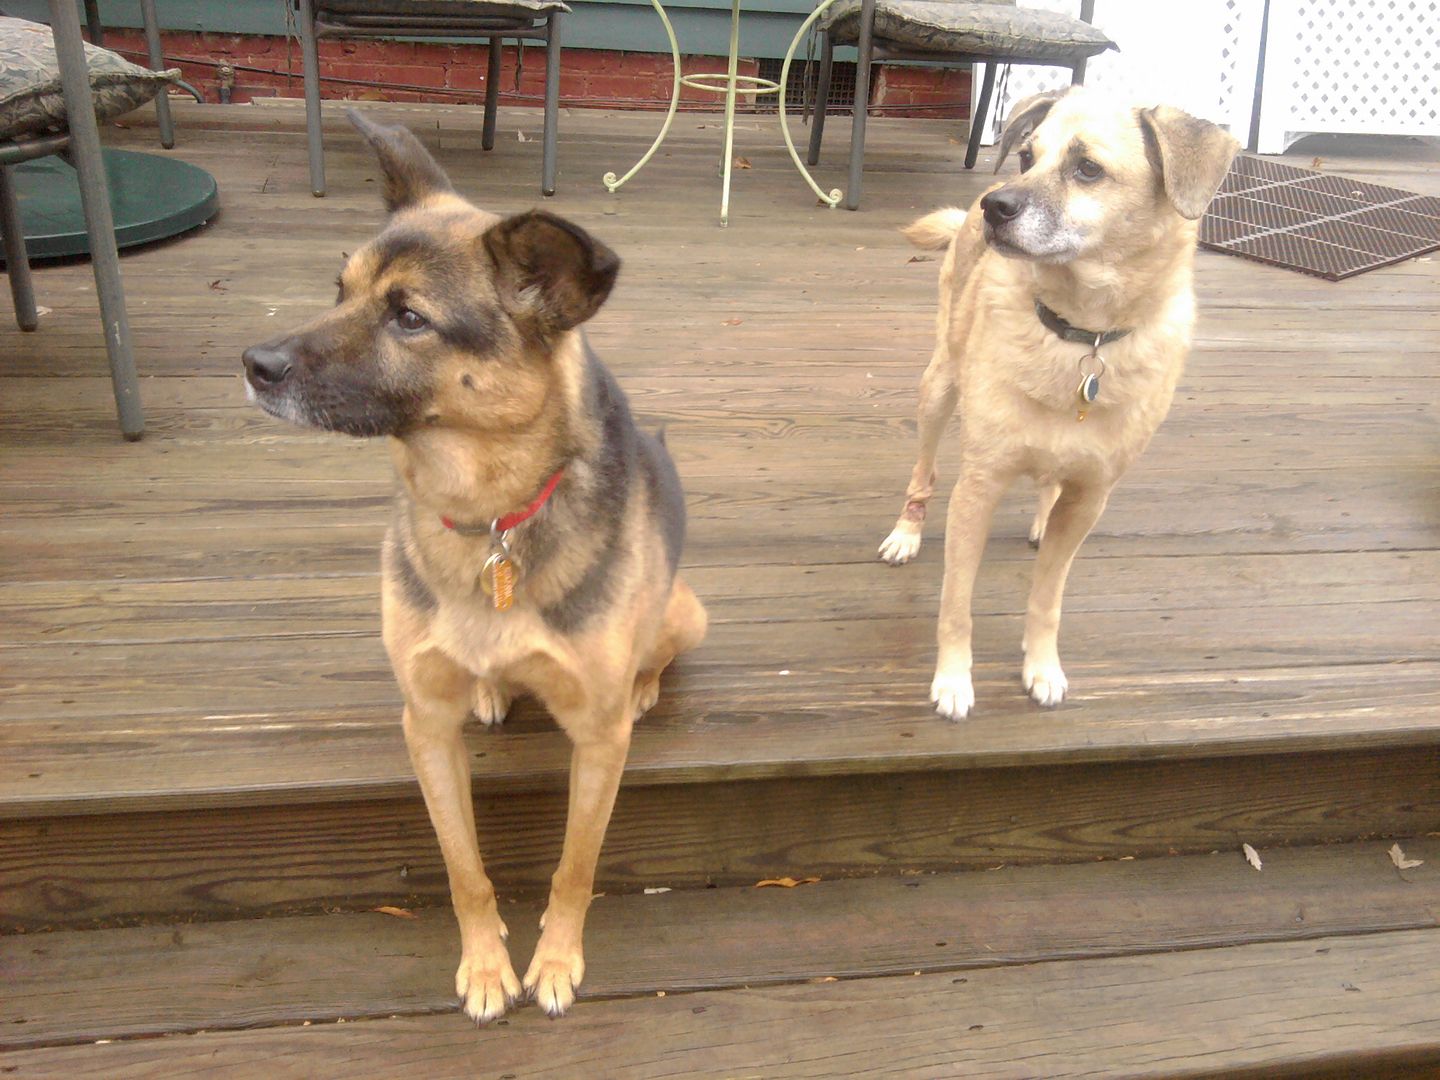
731 84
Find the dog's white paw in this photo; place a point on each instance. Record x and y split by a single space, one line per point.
953 695
491 704
554 975
902 545
486 983
1046 683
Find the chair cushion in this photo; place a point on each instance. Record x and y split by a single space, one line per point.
958 27
31 99
465 9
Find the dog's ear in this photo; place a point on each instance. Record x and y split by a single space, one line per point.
549 273
410 172
1191 155
1025 117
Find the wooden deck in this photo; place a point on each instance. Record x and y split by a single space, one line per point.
197 720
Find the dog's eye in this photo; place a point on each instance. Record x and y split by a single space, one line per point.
409 319
1089 170
1026 159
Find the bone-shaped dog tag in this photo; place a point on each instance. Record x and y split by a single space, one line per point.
498 581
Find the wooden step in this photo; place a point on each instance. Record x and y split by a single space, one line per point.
1192 965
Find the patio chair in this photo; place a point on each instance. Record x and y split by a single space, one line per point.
52 88
989 32
153 50
523 20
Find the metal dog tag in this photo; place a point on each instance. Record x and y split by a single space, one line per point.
497 579
1088 392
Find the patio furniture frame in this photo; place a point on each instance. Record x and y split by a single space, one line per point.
316 22
80 145
156 60
871 50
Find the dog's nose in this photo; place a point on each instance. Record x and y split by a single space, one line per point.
266 367
1003 204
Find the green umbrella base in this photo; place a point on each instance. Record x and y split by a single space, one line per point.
151 197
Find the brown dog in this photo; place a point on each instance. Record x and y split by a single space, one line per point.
1066 308
536 532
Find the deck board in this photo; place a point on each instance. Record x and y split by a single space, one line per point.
1342 1006
1266 573
109 984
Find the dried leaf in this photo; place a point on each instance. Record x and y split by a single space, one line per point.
1316 162
921 258
370 95
397 912
1401 862
786 882
656 890
1251 855
732 322
743 163
217 286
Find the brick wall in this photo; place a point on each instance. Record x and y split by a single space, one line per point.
412 71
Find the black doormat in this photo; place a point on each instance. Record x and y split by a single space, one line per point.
1330 226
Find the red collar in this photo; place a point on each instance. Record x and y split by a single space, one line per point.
509 521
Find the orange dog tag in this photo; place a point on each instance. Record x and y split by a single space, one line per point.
498 581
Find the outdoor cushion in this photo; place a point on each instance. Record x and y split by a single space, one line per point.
468 9
968 28
31 99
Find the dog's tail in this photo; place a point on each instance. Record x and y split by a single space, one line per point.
934 231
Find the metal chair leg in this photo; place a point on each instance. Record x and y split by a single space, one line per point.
314 133
17 262
978 115
492 93
84 154
157 63
93 23
822 93
552 103
862 103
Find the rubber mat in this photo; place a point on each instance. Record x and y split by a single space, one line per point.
1317 223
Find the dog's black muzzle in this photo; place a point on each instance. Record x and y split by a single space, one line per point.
268 366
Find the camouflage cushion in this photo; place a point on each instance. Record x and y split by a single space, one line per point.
960 27
31 99
470 9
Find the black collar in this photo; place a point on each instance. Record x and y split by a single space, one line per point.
1058 326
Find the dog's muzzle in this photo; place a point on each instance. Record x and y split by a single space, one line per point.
266 367
1003 205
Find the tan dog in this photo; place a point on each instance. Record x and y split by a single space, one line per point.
536 533
1066 309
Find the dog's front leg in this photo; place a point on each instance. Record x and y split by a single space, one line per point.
1071 519
938 396
595 768
967 526
438 698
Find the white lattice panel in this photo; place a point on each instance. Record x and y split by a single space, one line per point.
1199 56
1362 66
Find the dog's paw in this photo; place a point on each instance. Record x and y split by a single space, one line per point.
486 983
1045 682
902 545
953 695
491 704
554 976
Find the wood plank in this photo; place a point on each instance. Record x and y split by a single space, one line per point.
110 984
1268 1009
243 861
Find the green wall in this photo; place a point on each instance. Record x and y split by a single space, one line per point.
702 26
